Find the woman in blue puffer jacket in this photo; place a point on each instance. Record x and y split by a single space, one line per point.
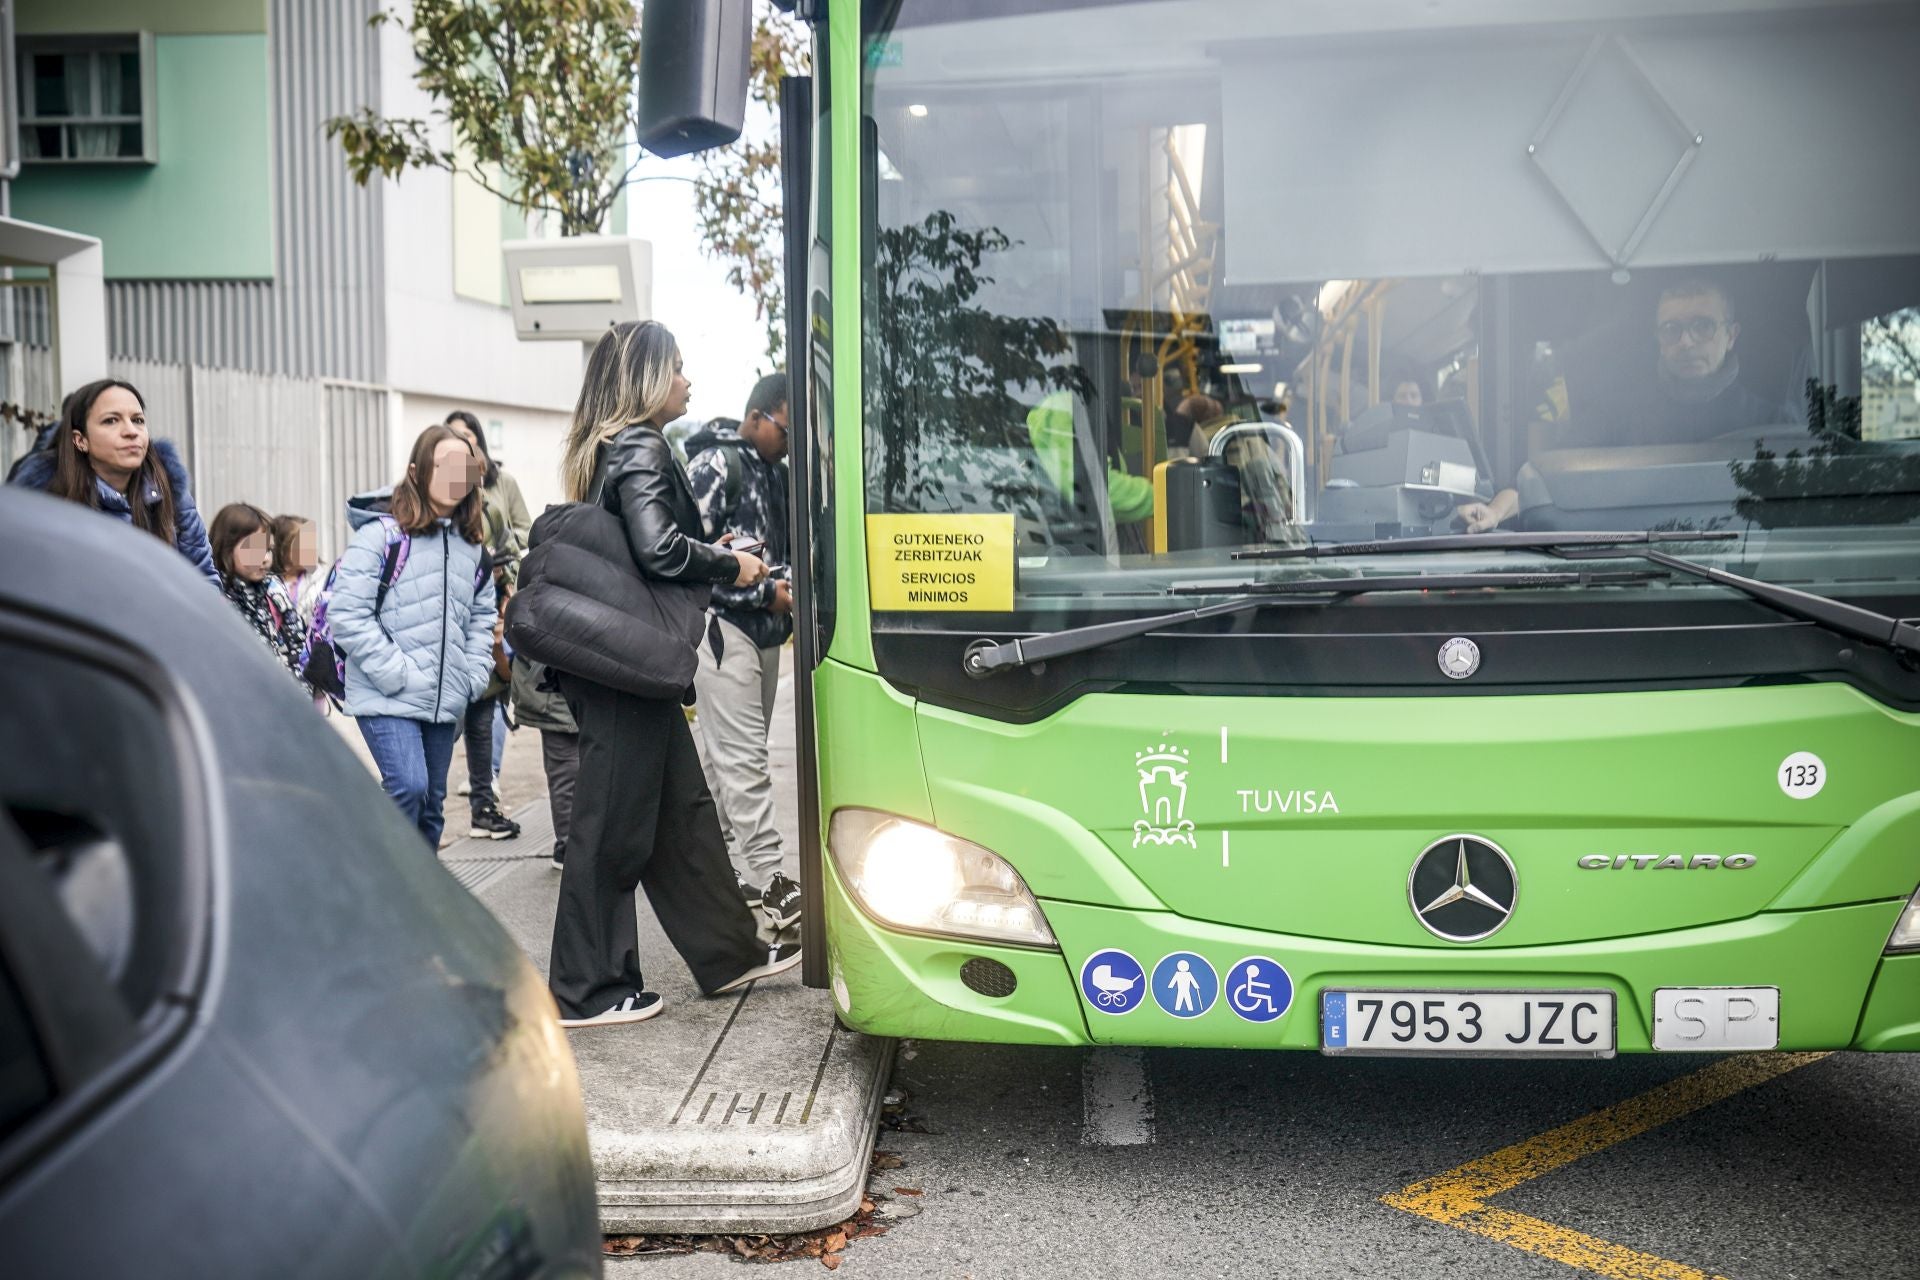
418 653
100 455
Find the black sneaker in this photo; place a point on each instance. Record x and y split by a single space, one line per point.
559 856
748 894
780 958
489 823
781 901
637 1007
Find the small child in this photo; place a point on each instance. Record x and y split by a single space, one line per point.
242 538
296 561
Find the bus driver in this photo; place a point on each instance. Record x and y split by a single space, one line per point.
1695 394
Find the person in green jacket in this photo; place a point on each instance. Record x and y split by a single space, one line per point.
538 705
507 518
507 523
1050 428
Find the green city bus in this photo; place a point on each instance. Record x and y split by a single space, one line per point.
1373 527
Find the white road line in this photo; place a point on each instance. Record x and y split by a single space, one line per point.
1118 1099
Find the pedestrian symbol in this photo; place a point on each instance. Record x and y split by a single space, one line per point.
1259 989
1185 985
1113 982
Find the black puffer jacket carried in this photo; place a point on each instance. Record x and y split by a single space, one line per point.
615 590
584 608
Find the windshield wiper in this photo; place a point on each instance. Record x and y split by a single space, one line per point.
987 657
1847 620
1484 541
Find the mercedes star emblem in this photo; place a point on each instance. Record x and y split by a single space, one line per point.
1462 888
1459 658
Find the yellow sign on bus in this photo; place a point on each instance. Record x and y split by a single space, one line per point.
917 562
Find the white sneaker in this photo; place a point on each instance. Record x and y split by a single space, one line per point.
780 958
637 1007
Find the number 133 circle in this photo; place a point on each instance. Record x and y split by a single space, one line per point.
1801 775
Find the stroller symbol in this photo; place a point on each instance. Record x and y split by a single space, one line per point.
1113 990
1113 982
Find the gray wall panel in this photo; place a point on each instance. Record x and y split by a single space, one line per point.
356 457
321 315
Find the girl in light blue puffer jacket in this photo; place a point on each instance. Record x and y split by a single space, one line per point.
419 652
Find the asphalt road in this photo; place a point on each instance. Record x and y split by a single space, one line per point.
1124 1163
1275 1165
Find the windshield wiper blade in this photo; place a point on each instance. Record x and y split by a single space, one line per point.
1422 582
1485 542
1846 619
1849 620
987 657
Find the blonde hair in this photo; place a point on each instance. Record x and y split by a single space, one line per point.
629 379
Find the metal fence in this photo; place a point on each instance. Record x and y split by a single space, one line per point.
27 390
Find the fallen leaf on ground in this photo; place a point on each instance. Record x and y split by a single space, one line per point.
888 1160
908 1191
831 1262
633 1246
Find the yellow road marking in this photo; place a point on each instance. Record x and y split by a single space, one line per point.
1458 1197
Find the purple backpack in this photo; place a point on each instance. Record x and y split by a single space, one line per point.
322 661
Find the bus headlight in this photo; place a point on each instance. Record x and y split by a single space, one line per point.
1906 930
910 876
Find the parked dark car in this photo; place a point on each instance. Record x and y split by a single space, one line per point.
248 1024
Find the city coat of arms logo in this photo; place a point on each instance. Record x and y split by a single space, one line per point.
1163 798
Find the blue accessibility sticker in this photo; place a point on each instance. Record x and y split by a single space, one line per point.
1185 985
1259 989
1113 982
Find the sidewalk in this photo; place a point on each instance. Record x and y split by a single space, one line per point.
754 1112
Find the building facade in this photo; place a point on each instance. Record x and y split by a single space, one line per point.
292 329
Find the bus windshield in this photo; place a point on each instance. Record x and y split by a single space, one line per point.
1170 281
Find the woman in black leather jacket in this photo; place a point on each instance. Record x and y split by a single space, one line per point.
643 815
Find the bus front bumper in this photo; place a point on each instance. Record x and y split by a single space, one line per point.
1836 989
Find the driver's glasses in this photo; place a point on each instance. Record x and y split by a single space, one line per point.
1700 329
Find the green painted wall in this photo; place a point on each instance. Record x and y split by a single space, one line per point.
204 211
162 17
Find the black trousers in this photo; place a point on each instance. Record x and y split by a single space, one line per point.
560 756
642 816
478 731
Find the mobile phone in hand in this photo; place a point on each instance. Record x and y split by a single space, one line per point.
752 546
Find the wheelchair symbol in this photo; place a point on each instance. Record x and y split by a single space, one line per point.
1259 989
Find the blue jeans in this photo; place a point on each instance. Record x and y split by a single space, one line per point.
412 757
